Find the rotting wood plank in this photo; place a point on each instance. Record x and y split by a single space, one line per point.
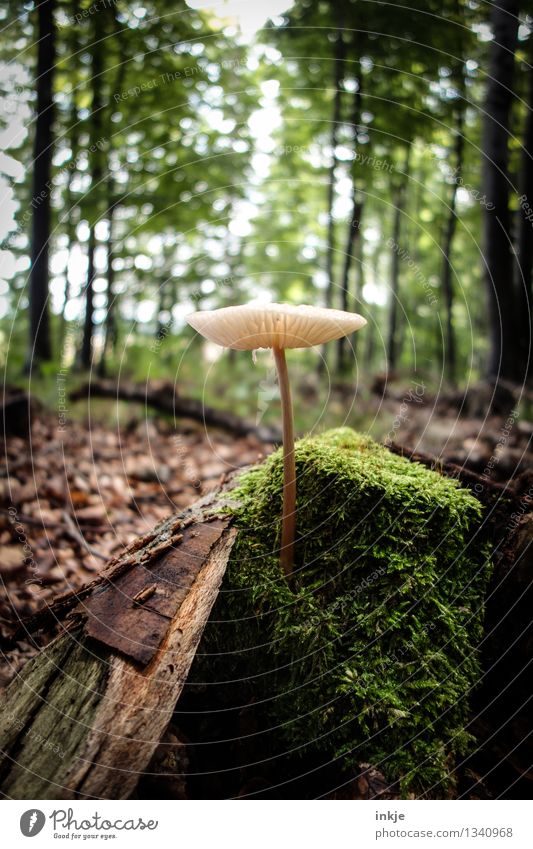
82 719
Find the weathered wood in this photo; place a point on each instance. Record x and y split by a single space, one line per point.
133 614
163 396
16 408
82 720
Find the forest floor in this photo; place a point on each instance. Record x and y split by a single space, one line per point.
72 496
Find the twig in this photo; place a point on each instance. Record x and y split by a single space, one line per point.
75 534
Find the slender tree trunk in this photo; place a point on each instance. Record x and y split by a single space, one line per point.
368 356
162 307
399 202
504 359
111 327
449 233
335 122
524 242
358 286
40 348
338 76
354 226
110 330
88 325
97 67
70 224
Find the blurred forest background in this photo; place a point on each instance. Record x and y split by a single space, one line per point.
157 158
368 156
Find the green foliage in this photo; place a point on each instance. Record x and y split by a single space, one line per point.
374 655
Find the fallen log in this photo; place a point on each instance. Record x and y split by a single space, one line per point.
86 715
162 395
16 411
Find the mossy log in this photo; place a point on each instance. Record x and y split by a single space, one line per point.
85 716
386 614
163 396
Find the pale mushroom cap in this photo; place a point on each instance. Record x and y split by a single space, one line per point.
253 326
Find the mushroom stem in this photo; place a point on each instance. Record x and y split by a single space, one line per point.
289 468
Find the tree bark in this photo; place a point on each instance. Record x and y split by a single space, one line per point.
524 242
85 716
70 232
449 233
354 228
399 202
113 202
88 323
503 360
40 348
97 67
110 330
338 76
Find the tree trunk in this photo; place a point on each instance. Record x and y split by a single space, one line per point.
40 348
88 324
399 202
338 76
447 269
70 231
85 716
504 360
70 221
110 330
354 227
524 245
359 283
97 67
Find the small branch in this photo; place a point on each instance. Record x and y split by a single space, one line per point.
75 534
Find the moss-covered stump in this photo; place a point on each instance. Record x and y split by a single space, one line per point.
372 655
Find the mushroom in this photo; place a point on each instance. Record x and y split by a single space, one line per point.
277 326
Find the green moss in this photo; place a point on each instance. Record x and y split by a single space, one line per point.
374 654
